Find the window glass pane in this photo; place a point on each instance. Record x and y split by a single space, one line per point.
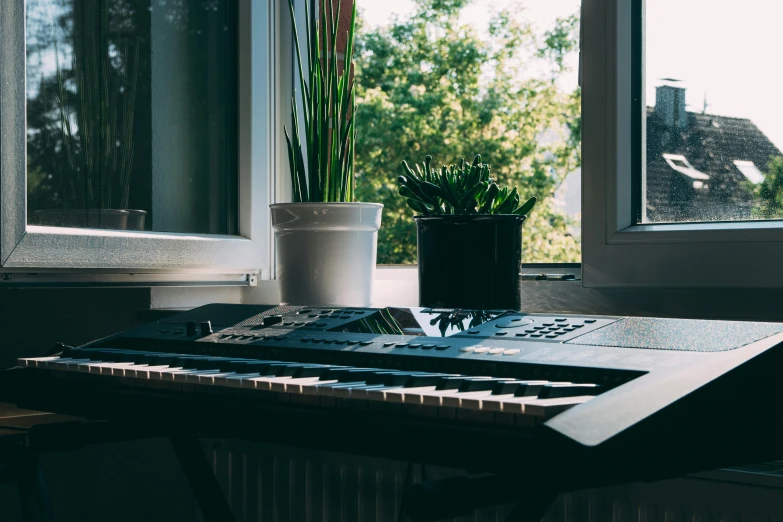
131 114
714 119
459 78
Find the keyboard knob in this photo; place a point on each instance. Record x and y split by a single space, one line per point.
191 328
206 328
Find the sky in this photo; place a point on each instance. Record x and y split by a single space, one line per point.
717 48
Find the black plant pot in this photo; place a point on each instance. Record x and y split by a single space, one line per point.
470 262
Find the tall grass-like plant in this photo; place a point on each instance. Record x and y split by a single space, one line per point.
321 151
98 132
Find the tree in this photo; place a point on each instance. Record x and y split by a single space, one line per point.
430 85
769 193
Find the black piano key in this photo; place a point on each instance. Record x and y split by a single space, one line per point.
260 367
168 359
233 365
390 378
92 355
507 387
348 374
454 382
194 363
290 369
478 384
557 391
312 371
426 379
533 388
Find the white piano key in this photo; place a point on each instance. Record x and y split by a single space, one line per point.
192 377
408 395
292 385
297 386
455 400
237 380
435 398
356 392
549 407
142 371
50 363
264 383
35 362
166 374
106 368
323 388
209 378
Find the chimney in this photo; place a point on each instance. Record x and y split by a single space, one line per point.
670 103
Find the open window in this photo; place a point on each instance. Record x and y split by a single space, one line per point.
678 173
137 136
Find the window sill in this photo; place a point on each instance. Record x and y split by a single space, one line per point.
398 285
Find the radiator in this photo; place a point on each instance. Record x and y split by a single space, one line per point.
268 483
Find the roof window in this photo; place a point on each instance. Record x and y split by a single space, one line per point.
750 171
681 164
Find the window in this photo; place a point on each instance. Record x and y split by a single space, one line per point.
750 171
455 79
681 152
124 146
713 100
103 79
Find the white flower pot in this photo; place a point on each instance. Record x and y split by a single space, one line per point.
326 252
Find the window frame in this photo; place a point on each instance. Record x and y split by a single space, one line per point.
24 247
617 252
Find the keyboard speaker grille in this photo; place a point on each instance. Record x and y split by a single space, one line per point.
220 314
689 335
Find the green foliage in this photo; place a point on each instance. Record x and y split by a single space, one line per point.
429 83
461 189
322 169
769 193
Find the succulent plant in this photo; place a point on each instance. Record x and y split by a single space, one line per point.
461 189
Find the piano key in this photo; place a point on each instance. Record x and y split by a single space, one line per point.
390 378
454 382
290 384
34 362
435 398
349 374
555 391
313 370
236 380
407 395
426 379
455 400
510 386
297 386
264 382
479 384
532 390
55 363
293 369
547 408
359 391
324 387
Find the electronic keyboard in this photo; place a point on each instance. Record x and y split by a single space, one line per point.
607 399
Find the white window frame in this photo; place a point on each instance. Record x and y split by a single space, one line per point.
615 251
24 247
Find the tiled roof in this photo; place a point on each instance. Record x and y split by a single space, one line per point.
710 144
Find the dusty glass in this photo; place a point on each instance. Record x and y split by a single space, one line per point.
714 119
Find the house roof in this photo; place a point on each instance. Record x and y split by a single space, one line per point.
710 145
